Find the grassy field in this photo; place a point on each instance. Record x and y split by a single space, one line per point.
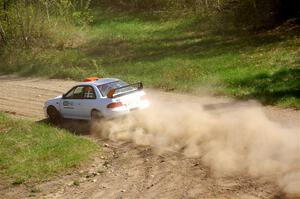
32 152
185 54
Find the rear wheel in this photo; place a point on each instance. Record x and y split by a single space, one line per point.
96 116
54 115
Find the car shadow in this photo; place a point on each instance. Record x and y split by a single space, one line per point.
216 106
231 105
77 127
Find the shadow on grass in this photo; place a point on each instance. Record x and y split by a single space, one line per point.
177 42
193 37
77 127
272 88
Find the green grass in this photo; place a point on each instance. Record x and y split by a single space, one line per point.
32 152
185 54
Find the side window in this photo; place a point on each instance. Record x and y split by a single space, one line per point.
89 93
75 93
78 92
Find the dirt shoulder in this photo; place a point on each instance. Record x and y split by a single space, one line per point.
26 96
126 170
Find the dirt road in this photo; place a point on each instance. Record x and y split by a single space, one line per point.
126 170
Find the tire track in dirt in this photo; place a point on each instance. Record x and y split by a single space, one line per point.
132 171
174 177
12 100
26 96
33 92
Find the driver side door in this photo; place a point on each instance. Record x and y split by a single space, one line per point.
71 102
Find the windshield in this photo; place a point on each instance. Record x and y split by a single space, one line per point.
105 88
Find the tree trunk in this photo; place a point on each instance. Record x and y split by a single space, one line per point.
22 25
47 10
2 34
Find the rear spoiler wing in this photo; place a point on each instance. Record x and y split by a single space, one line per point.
137 86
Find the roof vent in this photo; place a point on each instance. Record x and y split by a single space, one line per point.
90 79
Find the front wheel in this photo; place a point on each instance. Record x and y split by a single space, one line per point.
54 115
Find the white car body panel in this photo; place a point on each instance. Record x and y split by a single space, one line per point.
82 108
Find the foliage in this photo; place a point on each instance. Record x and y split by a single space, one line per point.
186 55
25 22
247 14
31 151
183 45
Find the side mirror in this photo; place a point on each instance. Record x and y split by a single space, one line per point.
63 96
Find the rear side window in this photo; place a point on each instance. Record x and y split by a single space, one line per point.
89 93
105 88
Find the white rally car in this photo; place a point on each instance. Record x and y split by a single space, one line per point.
97 98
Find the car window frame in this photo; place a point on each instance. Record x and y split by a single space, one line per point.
100 91
67 93
73 89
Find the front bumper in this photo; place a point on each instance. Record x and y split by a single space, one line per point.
45 112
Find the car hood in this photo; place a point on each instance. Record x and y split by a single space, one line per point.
53 100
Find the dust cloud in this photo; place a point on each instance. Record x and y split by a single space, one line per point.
231 139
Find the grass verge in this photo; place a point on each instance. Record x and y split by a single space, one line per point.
32 152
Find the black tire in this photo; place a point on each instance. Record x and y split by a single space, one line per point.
54 115
96 116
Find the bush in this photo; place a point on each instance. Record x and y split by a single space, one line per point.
28 23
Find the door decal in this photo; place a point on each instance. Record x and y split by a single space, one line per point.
68 104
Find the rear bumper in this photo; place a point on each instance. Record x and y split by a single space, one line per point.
125 110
